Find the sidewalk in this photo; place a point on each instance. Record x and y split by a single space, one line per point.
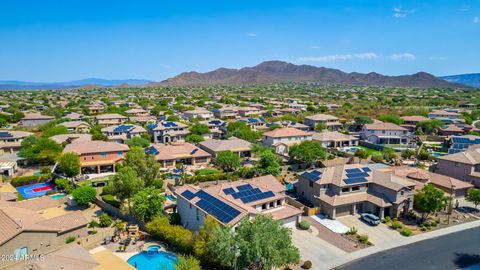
338 261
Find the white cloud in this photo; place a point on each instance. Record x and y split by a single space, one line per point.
315 47
252 34
399 12
476 20
436 58
465 8
336 57
402 56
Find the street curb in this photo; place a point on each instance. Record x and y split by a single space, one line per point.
350 257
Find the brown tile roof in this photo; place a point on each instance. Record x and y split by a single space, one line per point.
110 116
66 222
73 124
95 147
321 117
414 118
383 126
286 132
332 136
470 156
233 144
178 150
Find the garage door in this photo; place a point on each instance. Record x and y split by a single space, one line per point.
343 210
290 222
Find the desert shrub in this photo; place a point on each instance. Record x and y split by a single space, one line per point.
105 220
70 239
93 224
396 225
31 179
363 239
411 215
307 265
406 232
352 231
386 219
304 225
107 190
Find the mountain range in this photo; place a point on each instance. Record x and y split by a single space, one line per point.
21 85
472 79
278 71
264 73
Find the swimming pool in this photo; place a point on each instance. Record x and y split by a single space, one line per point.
350 149
171 198
151 259
58 196
154 248
35 190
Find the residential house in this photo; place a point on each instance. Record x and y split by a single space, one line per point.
11 140
26 231
169 155
149 120
226 112
446 116
255 123
235 145
290 124
96 106
98 156
198 113
73 116
421 177
385 133
123 132
457 129
217 127
137 112
249 111
168 131
70 138
110 119
330 121
76 126
35 119
230 202
355 188
282 138
464 165
461 143
410 122
334 139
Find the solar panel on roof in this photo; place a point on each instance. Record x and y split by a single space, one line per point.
215 207
152 151
6 135
311 177
244 187
194 151
355 180
228 191
188 194
316 173
355 175
366 169
355 170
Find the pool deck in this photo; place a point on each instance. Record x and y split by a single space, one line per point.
7 187
109 260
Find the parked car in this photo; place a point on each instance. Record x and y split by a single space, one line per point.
370 219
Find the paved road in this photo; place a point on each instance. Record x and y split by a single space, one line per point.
452 251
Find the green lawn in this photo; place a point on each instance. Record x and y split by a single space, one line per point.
206 171
370 151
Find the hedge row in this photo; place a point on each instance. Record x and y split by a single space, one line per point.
110 199
29 180
210 177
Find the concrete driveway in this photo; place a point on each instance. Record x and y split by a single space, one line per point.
376 234
315 249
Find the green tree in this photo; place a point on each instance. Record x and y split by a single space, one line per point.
41 150
200 129
362 120
473 196
137 141
320 126
56 130
227 160
84 195
194 138
361 154
307 151
429 200
187 262
408 153
148 203
126 184
423 155
69 164
262 244
269 163
105 220
388 154
391 118
96 132
429 126
177 236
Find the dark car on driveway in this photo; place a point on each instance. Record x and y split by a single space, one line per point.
370 219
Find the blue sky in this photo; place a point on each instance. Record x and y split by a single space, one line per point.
66 40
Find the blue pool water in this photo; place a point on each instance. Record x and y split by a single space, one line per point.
289 186
147 260
171 198
58 196
154 248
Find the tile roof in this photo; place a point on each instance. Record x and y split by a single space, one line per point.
233 144
95 147
178 150
383 126
286 132
321 117
332 136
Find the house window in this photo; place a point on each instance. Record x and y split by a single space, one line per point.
264 206
355 188
457 164
103 154
120 153
402 192
272 204
345 189
310 183
197 214
190 206
279 202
